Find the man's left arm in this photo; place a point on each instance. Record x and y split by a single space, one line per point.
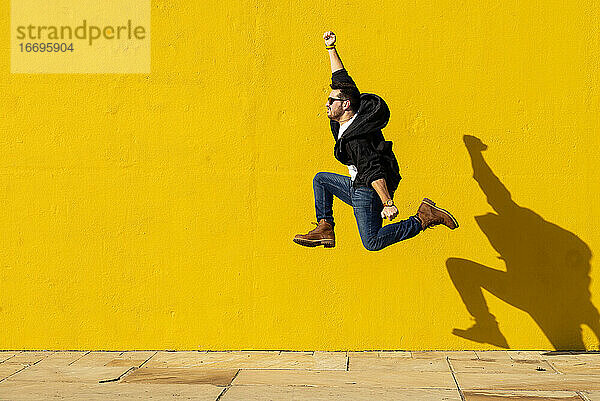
368 162
380 186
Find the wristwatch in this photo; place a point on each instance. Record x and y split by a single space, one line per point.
389 203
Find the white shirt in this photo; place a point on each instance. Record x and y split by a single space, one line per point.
351 168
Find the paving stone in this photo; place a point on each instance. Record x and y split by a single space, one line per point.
126 362
485 366
329 360
591 357
244 353
461 355
137 355
577 366
71 374
131 358
442 380
398 365
428 355
251 360
96 358
395 354
444 354
8 369
61 358
525 355
190 375
182 359
592 395
4 355
551 355
363 354
284 393
568 357
512 381
28 391
28 357
493 355
495 395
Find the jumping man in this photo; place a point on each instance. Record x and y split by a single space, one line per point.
356 121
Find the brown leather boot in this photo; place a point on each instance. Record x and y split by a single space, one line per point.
431 215
322 235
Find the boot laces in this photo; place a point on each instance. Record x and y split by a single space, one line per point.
316 224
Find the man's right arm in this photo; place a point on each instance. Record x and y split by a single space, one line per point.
334 57
338 72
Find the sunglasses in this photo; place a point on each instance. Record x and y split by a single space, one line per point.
330 100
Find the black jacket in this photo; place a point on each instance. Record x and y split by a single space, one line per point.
363 144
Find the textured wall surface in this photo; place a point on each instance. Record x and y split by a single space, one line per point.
157 211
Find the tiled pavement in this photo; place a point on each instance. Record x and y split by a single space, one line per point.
275 375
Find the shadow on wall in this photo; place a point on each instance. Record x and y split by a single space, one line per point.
547 269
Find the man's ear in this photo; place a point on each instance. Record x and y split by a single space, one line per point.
346 105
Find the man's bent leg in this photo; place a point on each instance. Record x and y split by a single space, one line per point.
326 186
367 210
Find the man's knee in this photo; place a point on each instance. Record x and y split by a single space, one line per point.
318 179
371 245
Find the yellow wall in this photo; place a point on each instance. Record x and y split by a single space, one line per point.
157 212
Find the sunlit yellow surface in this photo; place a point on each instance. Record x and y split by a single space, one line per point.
157 211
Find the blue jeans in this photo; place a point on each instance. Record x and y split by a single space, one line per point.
367 210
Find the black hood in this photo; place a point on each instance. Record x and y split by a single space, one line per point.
373 115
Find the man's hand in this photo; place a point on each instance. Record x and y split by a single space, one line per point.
389 212
329 38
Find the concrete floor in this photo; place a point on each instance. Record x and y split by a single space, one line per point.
275 375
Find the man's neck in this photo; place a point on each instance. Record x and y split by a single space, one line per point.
347 116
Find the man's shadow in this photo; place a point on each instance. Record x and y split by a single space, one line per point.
547 269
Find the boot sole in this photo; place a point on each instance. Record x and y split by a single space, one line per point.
313 243
432 204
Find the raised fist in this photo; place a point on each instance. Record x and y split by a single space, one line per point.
329 38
